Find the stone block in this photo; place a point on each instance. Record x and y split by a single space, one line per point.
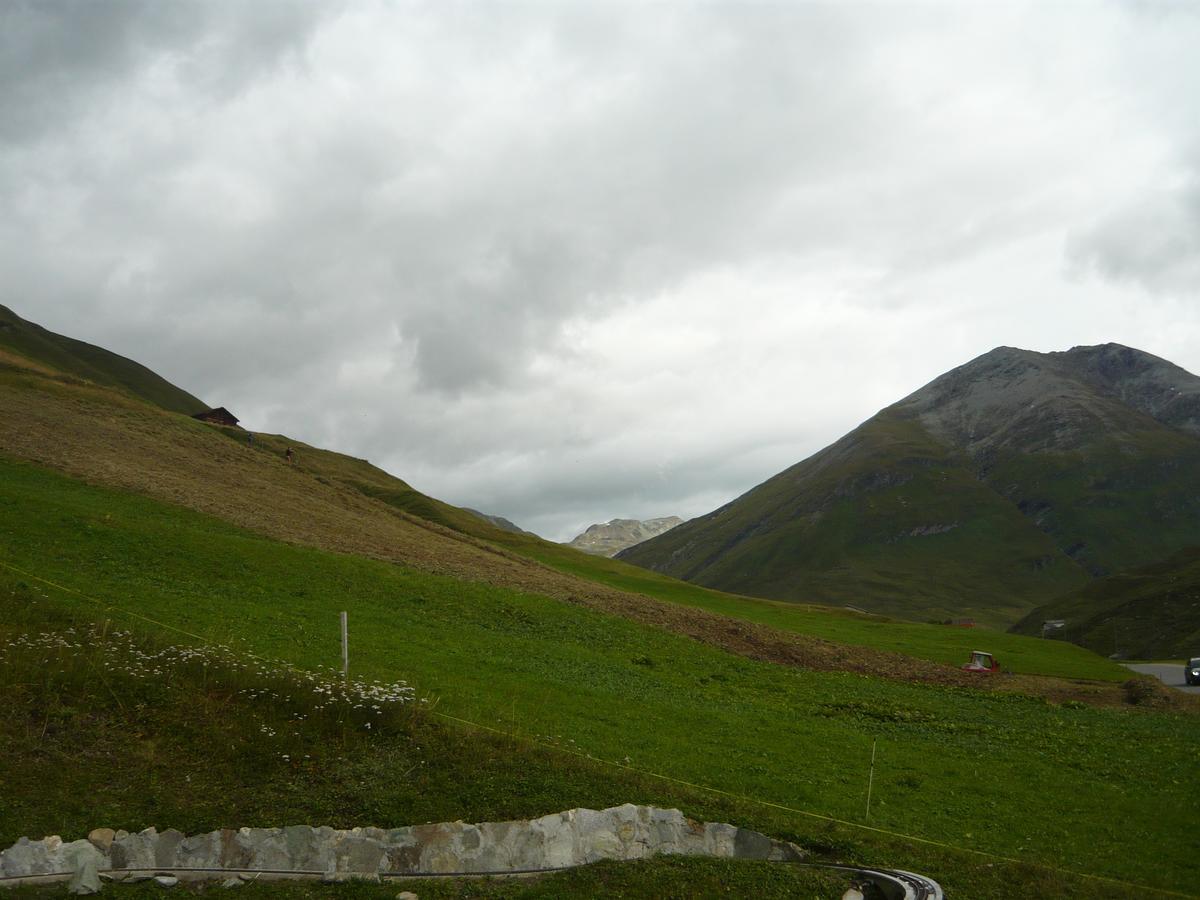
25 857
718 839
502 846
359 855
596 837
437 848
233 853
135 851
102 838
78 853
785 851
86 877
560 840
751 845
666 830
166 848
556 836
403 851
200 851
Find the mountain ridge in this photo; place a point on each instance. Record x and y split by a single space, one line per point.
92 363
611 537
1009 480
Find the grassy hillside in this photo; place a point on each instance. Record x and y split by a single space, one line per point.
91 363
339 503
937 643
1096 502
152 756
1147 613
998 487
887 519
204 740
1066 785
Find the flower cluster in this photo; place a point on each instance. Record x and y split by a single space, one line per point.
273 691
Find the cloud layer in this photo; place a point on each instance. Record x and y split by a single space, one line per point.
568 262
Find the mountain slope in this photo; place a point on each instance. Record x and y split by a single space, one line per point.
521 665
499 521
614 536
1152 612
336 502
1000 485
91 363
116 514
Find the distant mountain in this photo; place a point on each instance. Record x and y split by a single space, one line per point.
1152 612
499 521
611 538
999 486
91 363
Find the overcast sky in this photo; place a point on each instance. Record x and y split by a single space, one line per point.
565 262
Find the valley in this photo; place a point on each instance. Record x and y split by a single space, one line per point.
612 683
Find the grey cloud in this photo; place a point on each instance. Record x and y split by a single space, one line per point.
490 250
393 228
60 59
1153 242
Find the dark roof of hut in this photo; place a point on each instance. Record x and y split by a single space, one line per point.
218 414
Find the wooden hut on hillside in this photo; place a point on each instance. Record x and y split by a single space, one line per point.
218 416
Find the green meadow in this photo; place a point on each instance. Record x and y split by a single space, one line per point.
1073 787
940 643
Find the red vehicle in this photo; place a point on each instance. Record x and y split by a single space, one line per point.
982 662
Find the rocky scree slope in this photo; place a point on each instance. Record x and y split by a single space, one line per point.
1006 482
611 538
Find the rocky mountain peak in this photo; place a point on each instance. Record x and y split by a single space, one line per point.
1146 382
611 538
1060 400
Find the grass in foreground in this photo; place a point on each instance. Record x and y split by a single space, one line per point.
1080 788
103 728
665 877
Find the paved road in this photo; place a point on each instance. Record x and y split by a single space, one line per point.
1168 674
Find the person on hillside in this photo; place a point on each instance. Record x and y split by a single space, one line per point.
290 458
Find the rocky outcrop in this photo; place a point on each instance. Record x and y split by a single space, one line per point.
561 840
619 534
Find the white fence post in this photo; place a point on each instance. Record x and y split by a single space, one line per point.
345 649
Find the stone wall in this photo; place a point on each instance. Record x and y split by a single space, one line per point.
571 838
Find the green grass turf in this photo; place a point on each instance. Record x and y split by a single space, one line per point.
892 520
1148 613
937 642
101 726
940 643
1086 789
91 363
